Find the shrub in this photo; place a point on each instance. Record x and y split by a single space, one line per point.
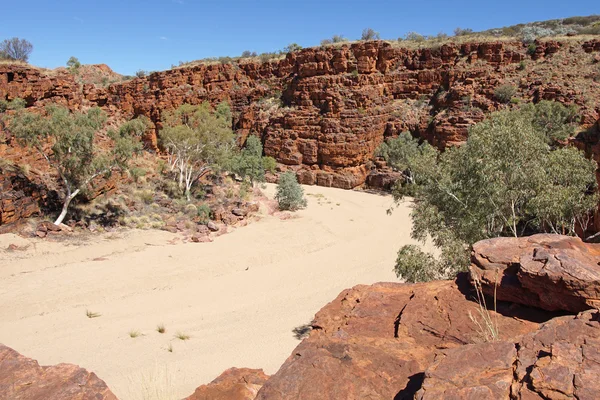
531 49
73 64
289 195
462 32
292 47
334 39
248 54
16 104
511 178
269 164
203 211
415 37
369 34
140 73
505 93
414 265
16 49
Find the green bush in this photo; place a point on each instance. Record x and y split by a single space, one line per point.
369 34
204 213
269 164
414 265
73 64
505 93
511 178
289 195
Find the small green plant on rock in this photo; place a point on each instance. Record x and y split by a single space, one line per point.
505 93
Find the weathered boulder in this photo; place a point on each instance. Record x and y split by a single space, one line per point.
552 272
561 360
375 342
22 378
233 384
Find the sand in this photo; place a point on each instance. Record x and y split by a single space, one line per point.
238 298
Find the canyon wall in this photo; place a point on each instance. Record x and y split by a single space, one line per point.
322 112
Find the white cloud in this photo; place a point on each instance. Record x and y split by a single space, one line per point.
163 38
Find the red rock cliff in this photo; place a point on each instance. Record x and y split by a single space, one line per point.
323 111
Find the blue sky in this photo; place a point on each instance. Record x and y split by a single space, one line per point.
153 34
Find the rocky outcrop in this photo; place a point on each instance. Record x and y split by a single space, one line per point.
322 112
233 384
375 342
20 197
551 272
559 361
430 340
22 378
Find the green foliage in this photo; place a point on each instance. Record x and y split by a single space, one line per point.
558 122
334 39
531 49
509 179
250 163
413 159
73 153
414 265
140 73
289 195
369 34
204 213
15 49
505 93
73 64
248 54
269 164
197 139
292 47
16 104
415 37
463 32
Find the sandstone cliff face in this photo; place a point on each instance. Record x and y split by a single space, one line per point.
322 112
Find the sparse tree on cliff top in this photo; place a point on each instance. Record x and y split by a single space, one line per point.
197 139
369 34
15 49
66 141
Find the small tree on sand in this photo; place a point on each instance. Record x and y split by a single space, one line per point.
289 195
197 139
67 142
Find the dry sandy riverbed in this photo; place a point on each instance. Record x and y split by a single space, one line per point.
238 298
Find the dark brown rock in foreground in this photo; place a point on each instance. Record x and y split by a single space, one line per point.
375 342
233 384
22 378
559 361
551 272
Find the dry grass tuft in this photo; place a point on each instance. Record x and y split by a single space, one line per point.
134 333
91 314
182 336
487 326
